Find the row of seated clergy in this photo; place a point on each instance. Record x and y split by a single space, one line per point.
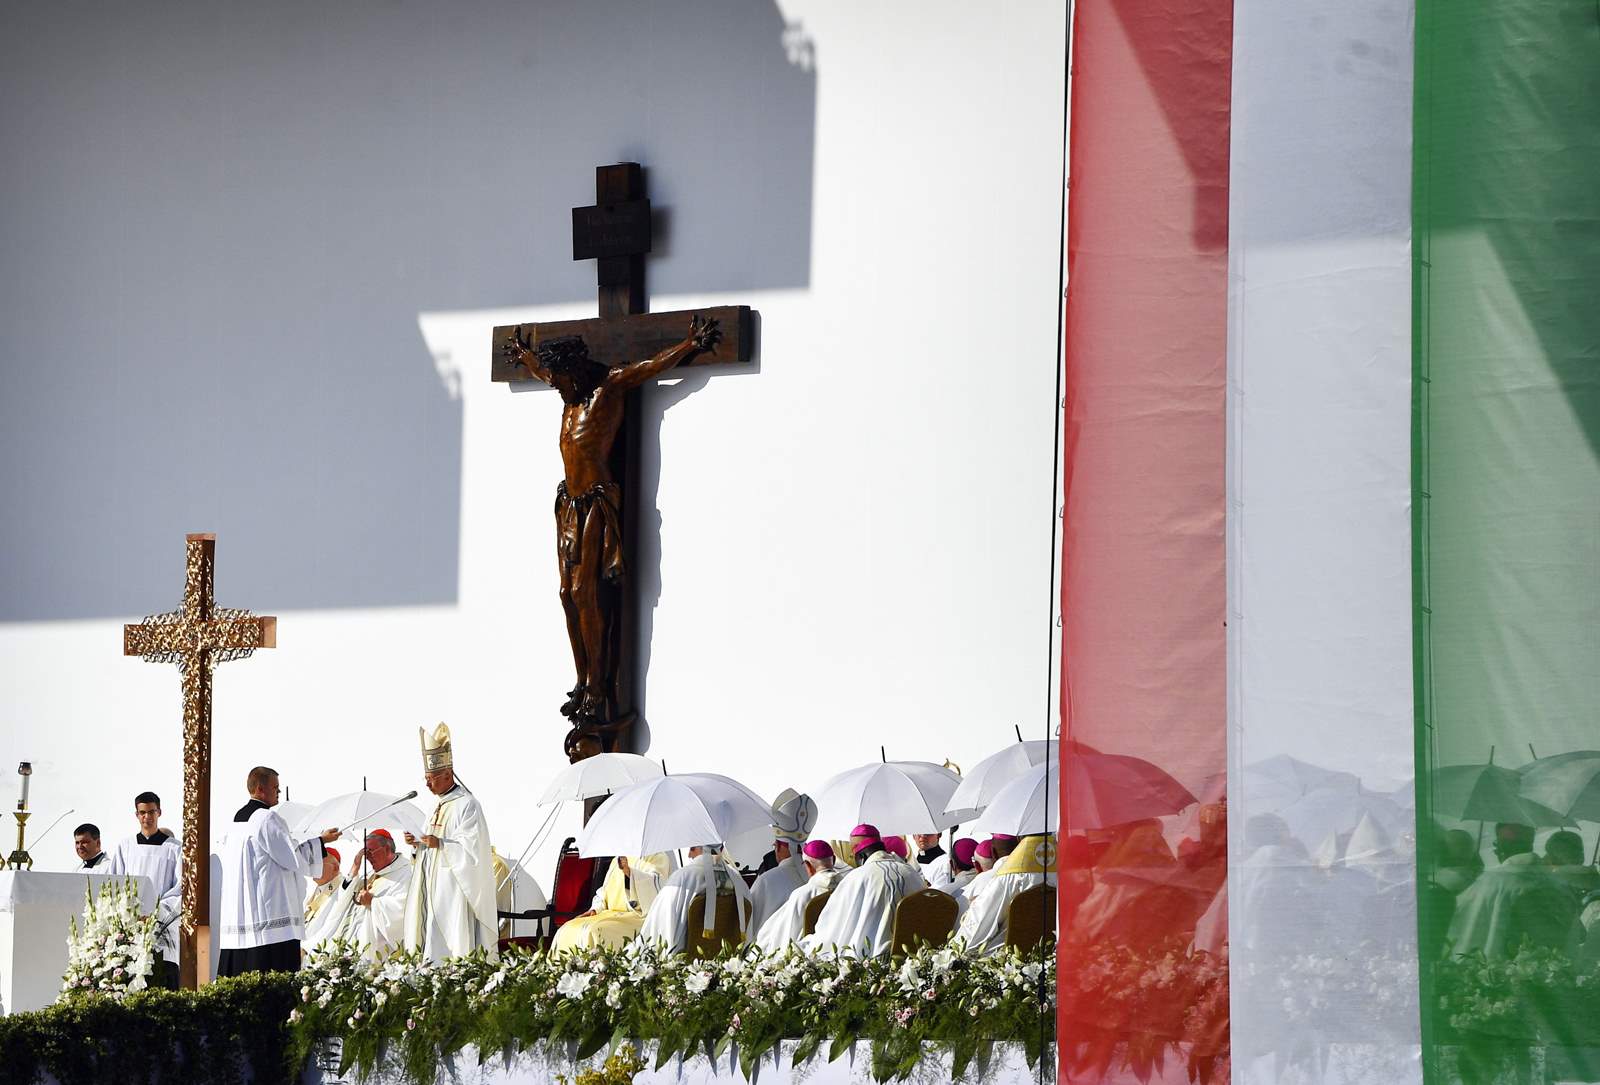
859 916
1031 863
618 909
707 873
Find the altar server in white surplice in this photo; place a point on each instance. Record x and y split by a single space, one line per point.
263 884
155 853
451 908
792 817
983 927
859 917
788 923
707 871
369 910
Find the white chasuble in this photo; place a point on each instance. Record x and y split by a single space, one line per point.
263 872
668 919
375 929
158 858
788 923
859 917
450 910
983 926
773 888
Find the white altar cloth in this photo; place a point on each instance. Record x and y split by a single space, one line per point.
35 909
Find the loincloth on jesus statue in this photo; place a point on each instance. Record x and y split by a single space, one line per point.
572 516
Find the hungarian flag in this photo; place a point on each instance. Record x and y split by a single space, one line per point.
1331 552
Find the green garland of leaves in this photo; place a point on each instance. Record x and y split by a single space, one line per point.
418 1014
406 1012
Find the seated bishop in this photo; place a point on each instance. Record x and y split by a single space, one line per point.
617 911
368 911
792 817
707 872
788 924
859 917
452 909
323 887
983 926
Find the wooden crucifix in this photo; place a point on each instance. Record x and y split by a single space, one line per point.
197 636
597 366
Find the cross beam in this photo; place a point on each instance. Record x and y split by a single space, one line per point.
197 636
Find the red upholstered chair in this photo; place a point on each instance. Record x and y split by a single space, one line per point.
571 890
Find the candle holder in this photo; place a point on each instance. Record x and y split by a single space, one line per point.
20 858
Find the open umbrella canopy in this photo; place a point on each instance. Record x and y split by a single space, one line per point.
1028 804
602 774
1489 793
983 781
363 812
1108 789
1275 783
1567 783
672 812
895 796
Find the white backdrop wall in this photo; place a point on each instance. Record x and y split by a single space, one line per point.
852 539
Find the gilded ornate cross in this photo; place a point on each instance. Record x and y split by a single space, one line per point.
197 636
598 365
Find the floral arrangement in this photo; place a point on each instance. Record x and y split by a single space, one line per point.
113 952
404 1009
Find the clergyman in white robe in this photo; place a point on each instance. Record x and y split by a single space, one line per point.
158 857
774 887
859 917
983 925
263 892
376 927
788 923
451 909
708 871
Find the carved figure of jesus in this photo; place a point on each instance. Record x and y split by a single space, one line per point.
588 503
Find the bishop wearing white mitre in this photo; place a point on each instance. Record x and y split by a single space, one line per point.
788 923
859 917
369 909
792 817
983 927
707 871
451 907
263 886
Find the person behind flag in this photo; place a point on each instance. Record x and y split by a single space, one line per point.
708 871
263 898
1520 901
368 911
86 842
859 917
792 817
788 923
618 909
1031 862
451 909
155 853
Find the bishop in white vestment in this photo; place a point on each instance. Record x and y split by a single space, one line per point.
792 817
263 888
155 853
368 911
788 923
859 917
983 926
451 909
708 871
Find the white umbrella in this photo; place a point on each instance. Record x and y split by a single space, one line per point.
363 812
983 782
293 813
1026 805
671 812
602 774
894 796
